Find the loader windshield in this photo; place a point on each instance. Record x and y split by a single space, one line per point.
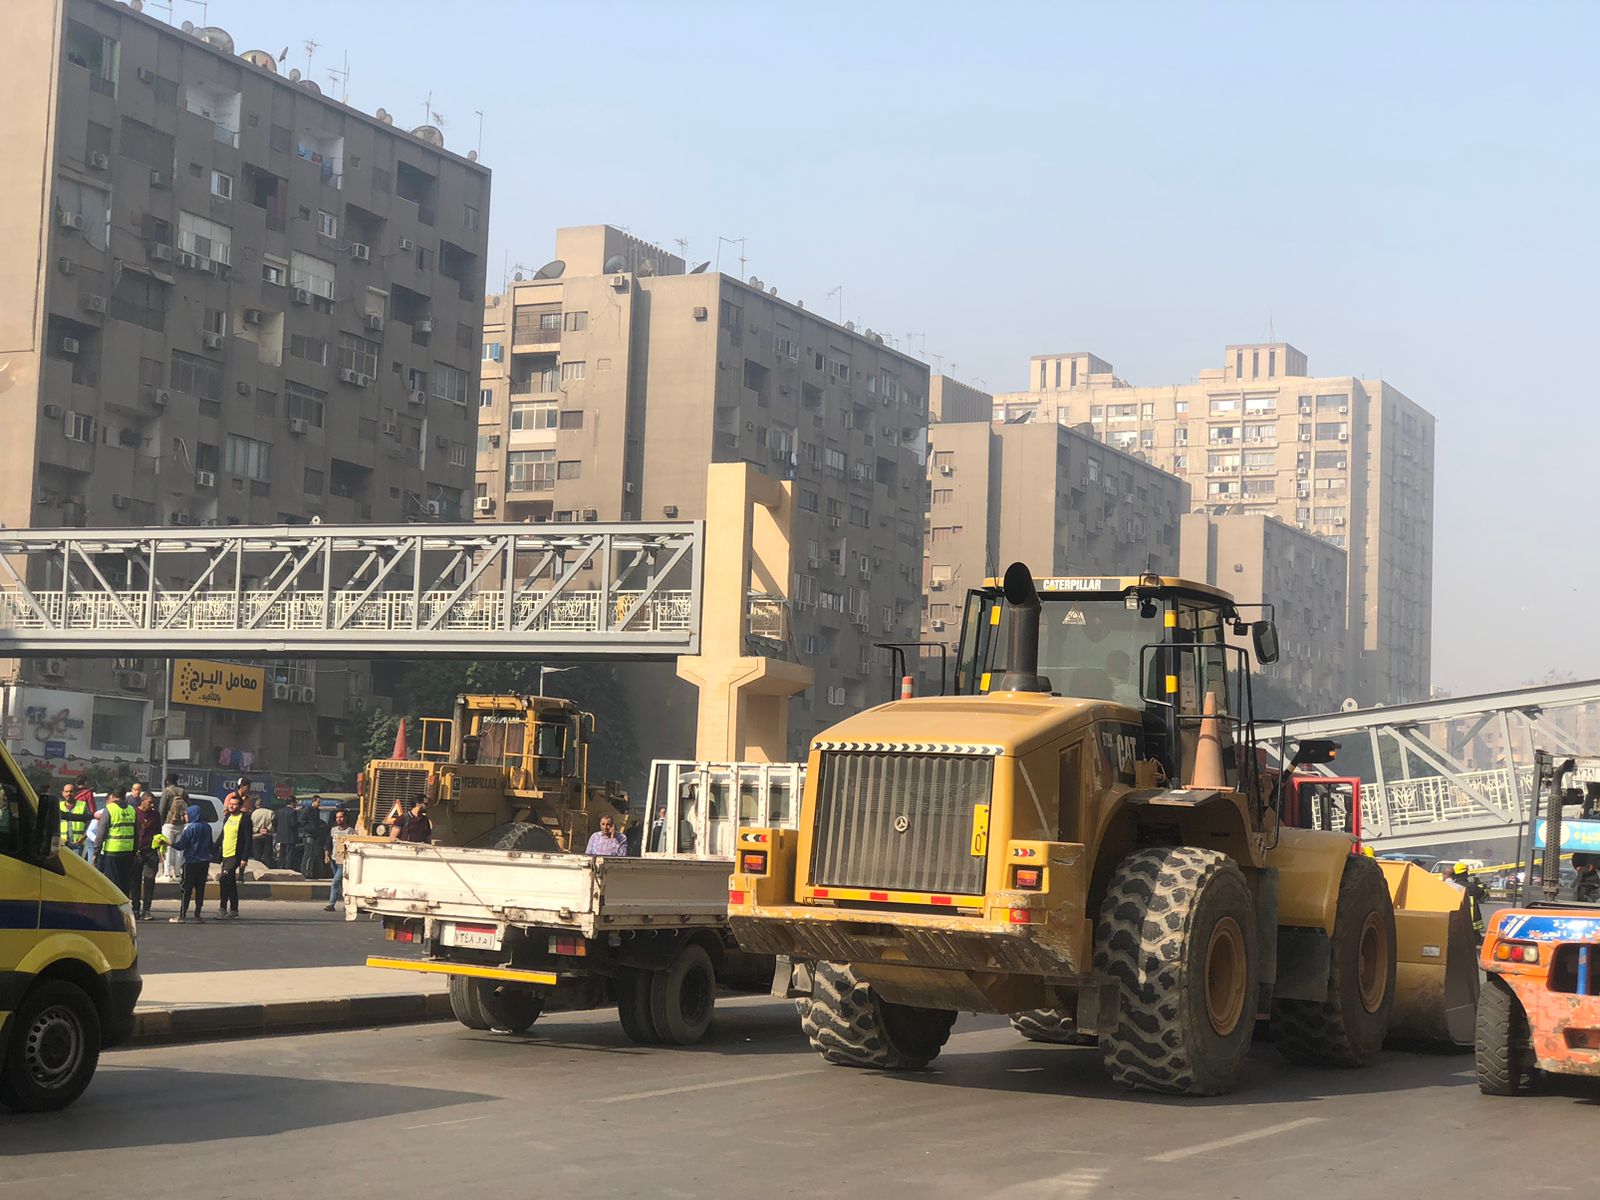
1088 648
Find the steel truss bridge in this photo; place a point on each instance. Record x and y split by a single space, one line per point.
629 590
1449 770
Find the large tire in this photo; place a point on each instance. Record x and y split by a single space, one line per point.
517 835
464 1003
633 1006
1054 1026
507 1009
850 1026
54 1048
1347 1029
1177 932
1504 1056
682 997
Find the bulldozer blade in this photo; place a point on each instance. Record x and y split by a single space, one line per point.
1436 960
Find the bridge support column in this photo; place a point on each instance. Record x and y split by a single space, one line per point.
744 697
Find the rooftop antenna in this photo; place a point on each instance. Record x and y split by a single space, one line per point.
683 247
1271 333
341 79
427 109
204 7
738 241
479 111
938 362
839 292
311 49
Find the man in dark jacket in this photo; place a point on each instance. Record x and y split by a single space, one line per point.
195 845
313 834
285 836
147 859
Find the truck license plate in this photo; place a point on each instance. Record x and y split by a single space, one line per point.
472 937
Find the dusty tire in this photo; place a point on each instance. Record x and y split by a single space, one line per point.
1504 1060
54 1048
1054 1026
682 997
517 835
464 1003
507 1009
633 1007
850 1026
1347 1029
1177 932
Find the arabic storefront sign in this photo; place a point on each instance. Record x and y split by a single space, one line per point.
217 684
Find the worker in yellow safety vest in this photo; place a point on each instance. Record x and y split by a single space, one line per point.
117 844
76 813
1476 895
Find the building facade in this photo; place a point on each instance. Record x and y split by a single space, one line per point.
229 300
609 385
1347 459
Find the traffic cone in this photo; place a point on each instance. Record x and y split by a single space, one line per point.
907 690
1207 771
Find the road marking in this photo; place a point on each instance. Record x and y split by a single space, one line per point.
457 1121
1235 1140
705 1087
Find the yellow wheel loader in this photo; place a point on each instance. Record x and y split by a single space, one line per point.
1085 838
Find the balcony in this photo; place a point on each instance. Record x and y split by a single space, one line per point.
535 387
547 339
531 485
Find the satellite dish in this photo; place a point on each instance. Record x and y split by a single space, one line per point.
700 270
850 325
311 86
553 269
614 264
1349 704
772 291
294 74
187 27
136 5
431 134
647 267
211 35
383 115
517 278
472 156
260 58
755 283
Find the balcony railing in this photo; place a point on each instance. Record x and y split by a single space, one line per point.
531 485
524 336
535 387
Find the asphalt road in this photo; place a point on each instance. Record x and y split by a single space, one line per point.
574 1110
275 933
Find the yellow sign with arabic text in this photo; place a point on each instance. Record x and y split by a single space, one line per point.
218 684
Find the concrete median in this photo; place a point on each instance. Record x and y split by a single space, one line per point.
217 1022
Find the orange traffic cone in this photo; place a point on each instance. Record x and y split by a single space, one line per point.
907 689
1207 771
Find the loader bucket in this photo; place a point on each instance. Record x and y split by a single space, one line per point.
1436 959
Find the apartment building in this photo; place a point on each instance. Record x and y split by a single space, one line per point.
611 382
229 299
1347 459
1048 495
1259 559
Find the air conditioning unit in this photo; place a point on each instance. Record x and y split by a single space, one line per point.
363 380
135 681
669 510
160 252
418 398
936 625
407 244
161 397
1344 408
158 180
590 514
391 430
66 266
833 522
93 303
813 561
936 585
298 426
146 75
620 282
55 668
1344 437
300 295
434 508
1305 437
71 220
70 345
483 504
348 375
1338 520
360 251
191 261
494 441
52 412
630 487
242 387
356 704
119 501
700 313
281 691
946 469
254 316
308 695
374 321
442 442
205 479
424 326
99 160
211 341
182 518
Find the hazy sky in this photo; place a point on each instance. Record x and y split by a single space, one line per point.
1402 189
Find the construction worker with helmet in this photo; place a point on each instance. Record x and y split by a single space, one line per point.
1476 895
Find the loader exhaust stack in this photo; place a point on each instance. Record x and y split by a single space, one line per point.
1022 658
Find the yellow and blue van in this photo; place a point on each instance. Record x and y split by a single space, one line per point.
69 965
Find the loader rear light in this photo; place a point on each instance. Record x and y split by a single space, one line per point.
1521 952
753 862
1029 879
1022 916
737 895
820 893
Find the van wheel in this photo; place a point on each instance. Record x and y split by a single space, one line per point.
54 1048
464 1003
633 1006
682 997
508 1009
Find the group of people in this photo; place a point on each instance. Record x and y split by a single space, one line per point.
136 841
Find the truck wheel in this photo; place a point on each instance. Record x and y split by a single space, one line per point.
1053 1025
464 1003
1347 1029
633 1006
1501 1047
54 1048
682 997
507 1009
850 1026
1177 931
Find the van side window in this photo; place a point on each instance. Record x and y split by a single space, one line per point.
12 816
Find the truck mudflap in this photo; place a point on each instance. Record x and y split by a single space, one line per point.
1436 959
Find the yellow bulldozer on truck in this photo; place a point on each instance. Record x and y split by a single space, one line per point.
1086 837
512 769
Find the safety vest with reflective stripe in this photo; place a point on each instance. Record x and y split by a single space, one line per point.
75 814
119 832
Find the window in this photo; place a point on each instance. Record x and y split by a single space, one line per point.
1260 460
458 454
214 320
540 414
1226 405
311 349
1338 400
858 515
485 397
569 469
808 501
140 299
1328 431
357 354
327 224
222 185
471 218
198 376
312 482
95 53
1260 404
572 419
784 345
450 383
572 370
1260 487
274 270
89 209
1147 411
575 322
494 352
146 145
1180 435
247 457
1332 460
303 403
1182 406
315 275
208 239
79 427
530 470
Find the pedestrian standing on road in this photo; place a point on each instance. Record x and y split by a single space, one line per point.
261 831
195 845
147 858
341 830
236 836
606 842
174 815
117 848
414 826
285 836
76 817
1475 896
312 835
